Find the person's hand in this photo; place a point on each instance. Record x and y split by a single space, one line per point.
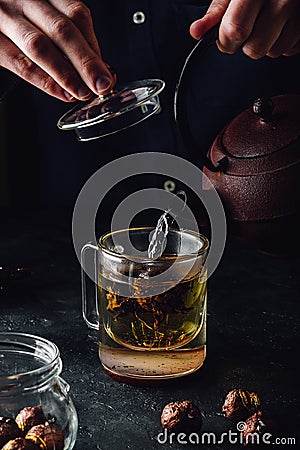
52 45
258 27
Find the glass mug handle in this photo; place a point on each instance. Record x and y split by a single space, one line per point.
89 306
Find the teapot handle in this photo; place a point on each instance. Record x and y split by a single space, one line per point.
180 112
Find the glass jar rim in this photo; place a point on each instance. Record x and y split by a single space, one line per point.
185 257
44 351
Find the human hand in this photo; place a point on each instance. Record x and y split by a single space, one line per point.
258 27
52 45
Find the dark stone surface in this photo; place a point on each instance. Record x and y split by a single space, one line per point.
253 329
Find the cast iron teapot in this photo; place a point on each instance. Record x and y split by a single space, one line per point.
254 164
258 160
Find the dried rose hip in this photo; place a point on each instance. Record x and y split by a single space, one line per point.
181 416
46 436
20 444
29 417
240 404
8 430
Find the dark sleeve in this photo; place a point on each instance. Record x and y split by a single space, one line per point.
8 82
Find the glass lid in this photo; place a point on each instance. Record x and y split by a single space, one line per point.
120 109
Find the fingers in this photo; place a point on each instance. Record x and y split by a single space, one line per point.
53 40
259 28
268 28
237 24
40 50
68 38
286 42
80 15
14 60
294 50
213 16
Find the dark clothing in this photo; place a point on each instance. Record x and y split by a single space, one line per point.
49 167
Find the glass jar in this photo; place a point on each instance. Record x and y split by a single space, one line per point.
29 378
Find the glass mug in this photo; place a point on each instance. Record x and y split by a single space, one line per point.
150 313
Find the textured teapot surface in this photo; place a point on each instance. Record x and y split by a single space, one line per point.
258 154
261 139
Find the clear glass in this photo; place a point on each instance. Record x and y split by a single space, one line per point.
122 108
151 312
29 376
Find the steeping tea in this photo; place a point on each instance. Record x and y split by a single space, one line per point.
153 335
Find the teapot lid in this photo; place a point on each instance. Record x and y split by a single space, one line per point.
269 125
127 105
